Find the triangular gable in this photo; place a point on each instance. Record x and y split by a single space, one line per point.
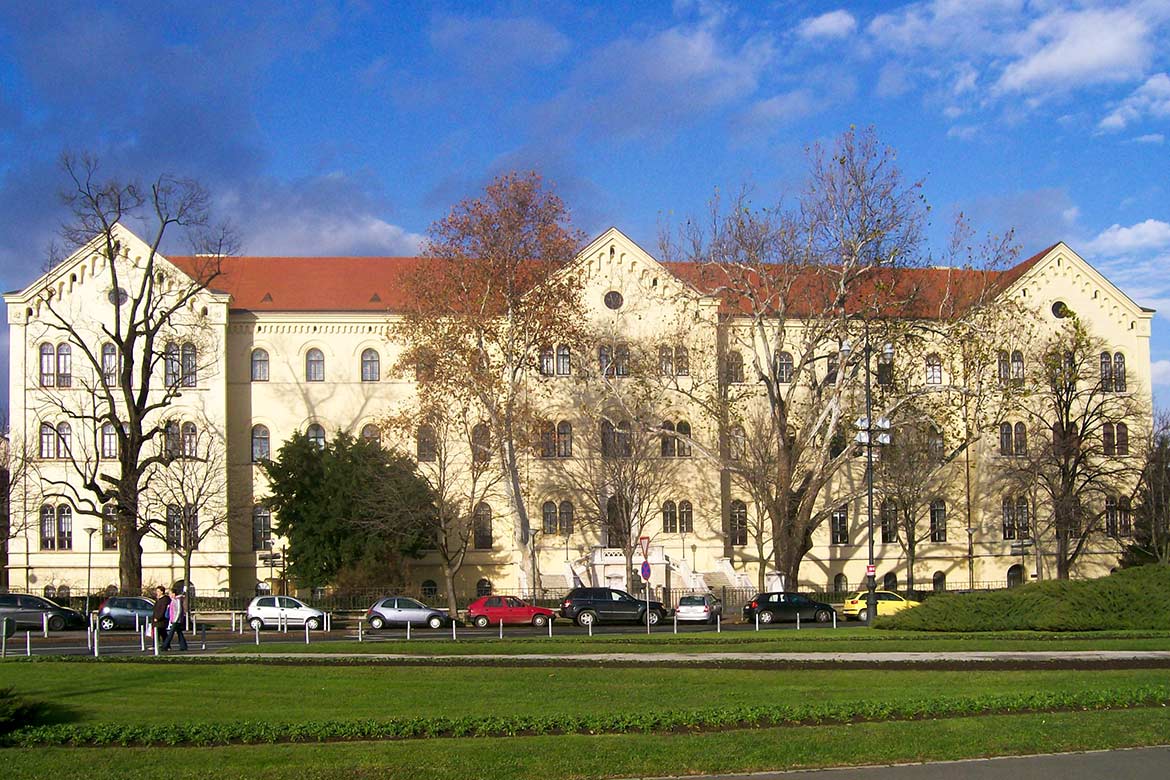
1043 263
615 246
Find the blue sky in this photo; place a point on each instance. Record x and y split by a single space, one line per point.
347 128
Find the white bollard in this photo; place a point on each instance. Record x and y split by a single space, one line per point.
28 643
135 621
550 622
453 634
676 622
591 628
3 644
798 620
257 630
45 624
306 632
96 633
718 624
359 630
89 637
408 630
834 618
501 628
757 621
155 635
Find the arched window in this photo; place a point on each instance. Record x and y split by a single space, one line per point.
564 439
371 365
938 521
64 527
784 367
1111 515
1108 442
889 515
314 366
1023 530
259 365
1009 518
682 361
668 440
840 584
481 444
48 441
1122 439
482 527
733 368
608 440
425 444
1017 367
565 517
564 360
109 441
48 527
64 365
190 365
190 442
1021 439
683 447
171 365
739 522
261 527
549 518
1005 439
1106 372
605 359
933 369
109 527
839 525
669 518
686 518
316 435
666 361
621 360
64 440
260 443
429 589
548 439
110 365
172 440
547 362
1015 575
48 365
371 433
939 582
483 588
736 443
1119 372
890 582
1003 367
623 441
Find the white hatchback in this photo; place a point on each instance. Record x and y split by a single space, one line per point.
270 611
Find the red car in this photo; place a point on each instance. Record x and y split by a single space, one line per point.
490 610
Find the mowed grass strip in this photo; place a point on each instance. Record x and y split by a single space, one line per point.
843 640
136 693
579 757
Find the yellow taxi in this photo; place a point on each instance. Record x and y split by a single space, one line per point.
887 604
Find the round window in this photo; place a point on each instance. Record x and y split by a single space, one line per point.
613 299
1060 310
118 296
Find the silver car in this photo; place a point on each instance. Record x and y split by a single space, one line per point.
399 610
699 609
269 611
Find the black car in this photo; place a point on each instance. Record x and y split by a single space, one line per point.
588 606
28 612
779 606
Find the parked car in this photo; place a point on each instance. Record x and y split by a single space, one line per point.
702 609
121 611
588 606
887 604
26 611
778 606
399 610
493 610
267 611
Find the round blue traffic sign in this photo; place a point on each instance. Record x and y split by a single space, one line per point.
646 570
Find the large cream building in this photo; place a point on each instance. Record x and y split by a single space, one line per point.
289 344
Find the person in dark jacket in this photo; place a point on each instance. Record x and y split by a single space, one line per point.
158 618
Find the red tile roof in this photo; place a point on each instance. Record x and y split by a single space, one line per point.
342 284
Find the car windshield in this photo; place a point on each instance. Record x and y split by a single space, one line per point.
692 601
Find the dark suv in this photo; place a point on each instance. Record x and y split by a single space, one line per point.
588 606
781 605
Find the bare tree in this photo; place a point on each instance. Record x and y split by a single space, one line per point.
124 369
495 296
1151 528
17 483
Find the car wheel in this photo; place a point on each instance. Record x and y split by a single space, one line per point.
256 623
377 622
586 618
56 623
823 616
863 615
481 621
654 617
313 623
766 617
540 621
106 623
434 621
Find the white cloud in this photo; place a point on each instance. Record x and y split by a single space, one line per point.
1150 138
963 132
1150 99
1071 50
834 24
331 234
1117 240
1160 372
498 46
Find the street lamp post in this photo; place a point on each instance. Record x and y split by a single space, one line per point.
89 570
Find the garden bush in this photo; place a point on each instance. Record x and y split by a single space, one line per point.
15 712
1128 599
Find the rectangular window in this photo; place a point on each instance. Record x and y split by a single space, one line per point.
48 528
174 531
48 366
64 528
109 528
261 528
839 526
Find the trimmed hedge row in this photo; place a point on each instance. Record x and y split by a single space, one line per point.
1129 599
250 732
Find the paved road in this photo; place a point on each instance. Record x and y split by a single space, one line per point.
1131 764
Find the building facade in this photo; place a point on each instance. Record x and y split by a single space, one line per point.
282 345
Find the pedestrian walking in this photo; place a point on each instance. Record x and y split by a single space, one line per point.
176 615
158 618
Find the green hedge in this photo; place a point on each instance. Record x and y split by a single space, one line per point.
1129 599
748 716
15 711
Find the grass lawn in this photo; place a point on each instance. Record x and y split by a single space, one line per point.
583 756
860 640
143 692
